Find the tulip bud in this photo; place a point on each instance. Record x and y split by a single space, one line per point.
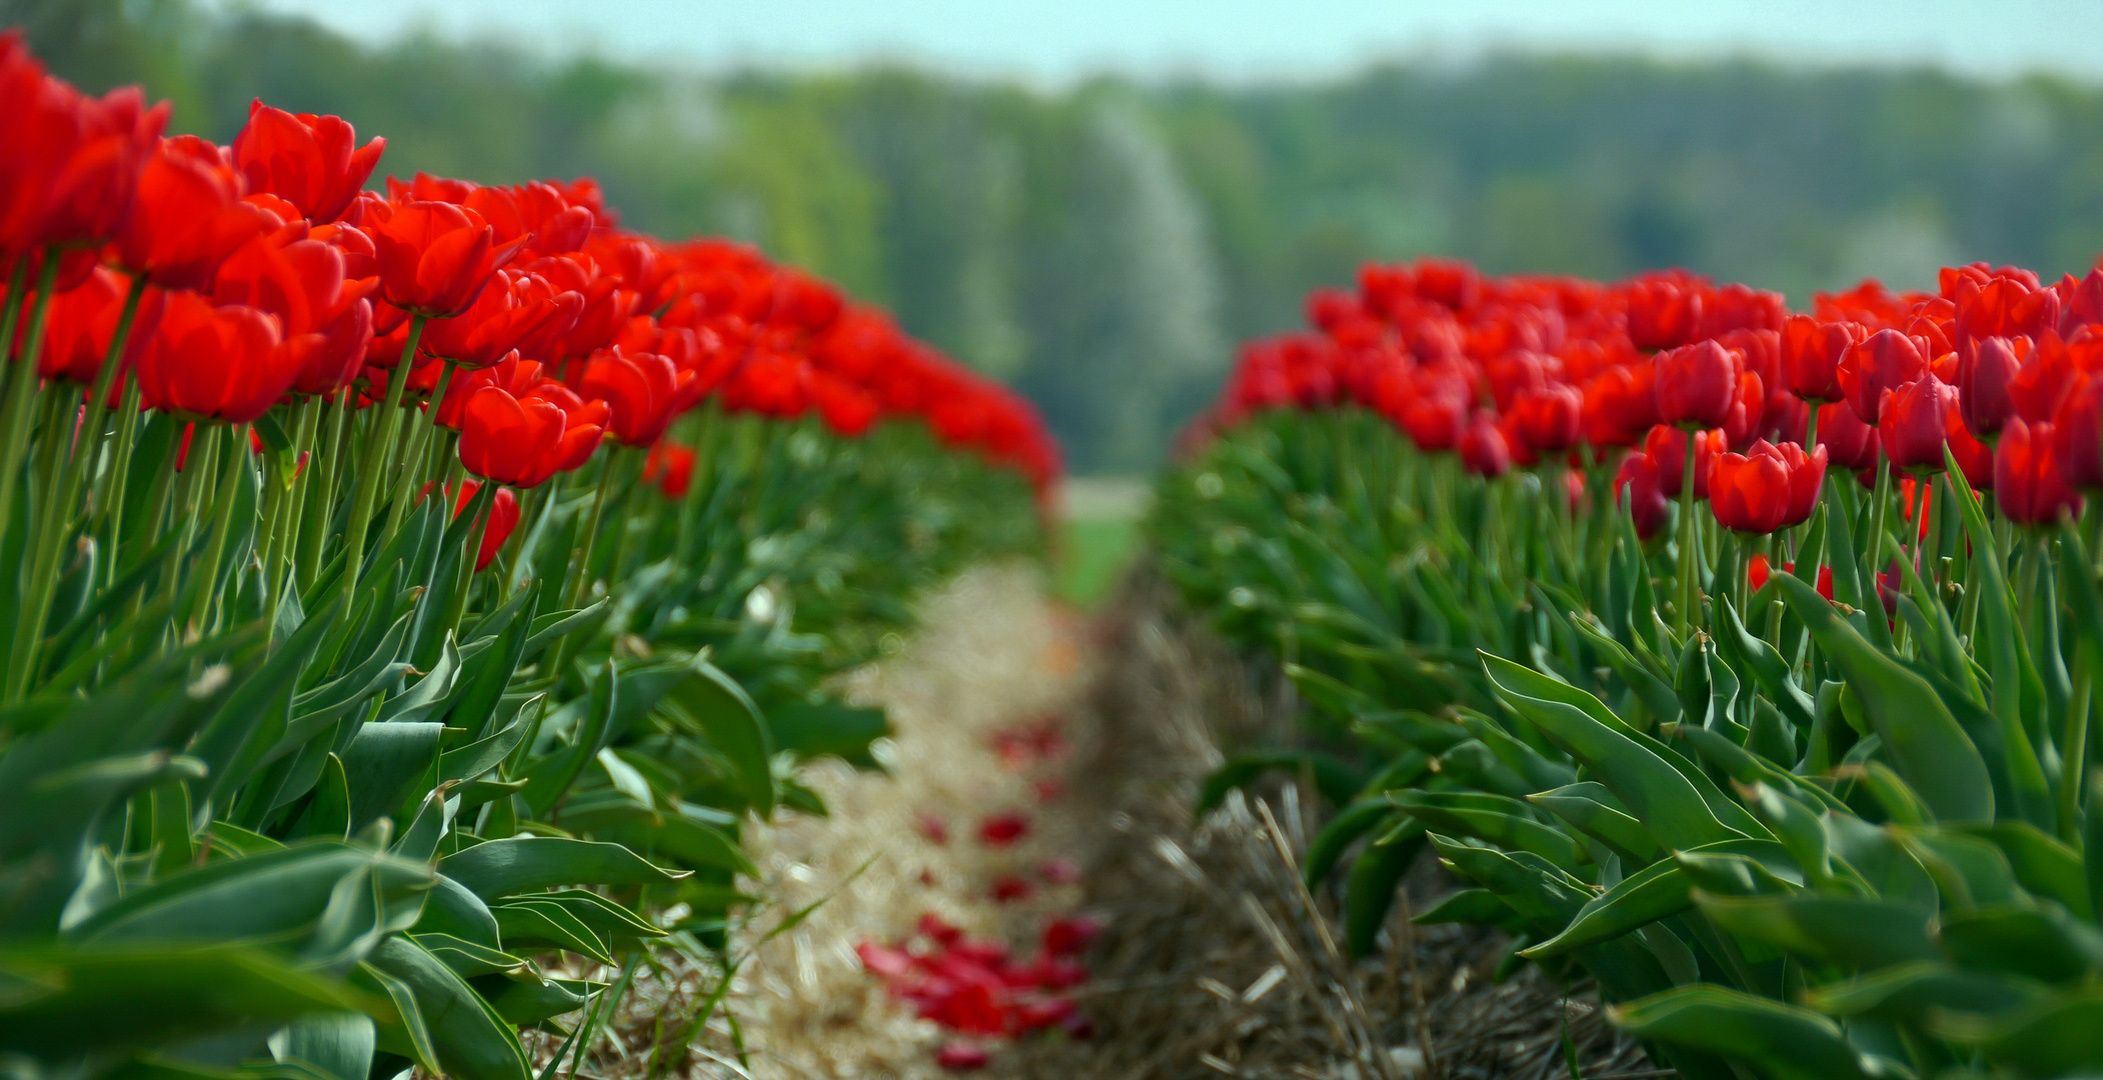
1883 360
1697 385
1811 354
1985 371
2029 485
1638 493
1483 450
1916 421
1547 418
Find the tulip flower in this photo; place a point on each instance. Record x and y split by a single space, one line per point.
644 393
1697 385
313 162
188 216
521 441
503 519
1851 443
847 410
2049 373
518 310
2028 484
1769 489
1916 422
2004 306
1434 418
670 467
435 258
1483 450
72 162
1620 405
208 362
1986 370
1637 491
1667 449
82 323
1880 362
2077 436
1748 415
1663 313
1811 354
1547 418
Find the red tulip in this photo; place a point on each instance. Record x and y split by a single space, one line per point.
1697 385
1882 361
1547 418
1636 490
2004 306
521 441
82 321
1851 443
2048 373
1748 416
1435 415
71 163
518 310
775 383
1663 312
312 162
1811 354
435 258
214 363
846 409
1667 449
1483 450
2028 483
644 393
188 216
1986 370
503 519
1916 422
2077 436
1621 405
671 467
1769 489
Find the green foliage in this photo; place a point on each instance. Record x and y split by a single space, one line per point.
347 830
1797 841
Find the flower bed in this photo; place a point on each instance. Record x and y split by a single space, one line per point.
1787 748
410 590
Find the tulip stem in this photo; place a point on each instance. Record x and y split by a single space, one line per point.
2073 752
233 451
113 488
316 525
1689 549
387 430
58 511
580 583
1917 523
483 507
21 390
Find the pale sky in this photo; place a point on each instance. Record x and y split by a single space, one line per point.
1057 41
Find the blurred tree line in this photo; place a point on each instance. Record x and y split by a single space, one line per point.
1103 246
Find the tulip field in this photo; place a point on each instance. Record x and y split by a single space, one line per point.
428 597
413 595
1743 661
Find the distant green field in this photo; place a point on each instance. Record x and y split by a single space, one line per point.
1093 553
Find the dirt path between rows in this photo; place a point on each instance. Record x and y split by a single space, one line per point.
1214 961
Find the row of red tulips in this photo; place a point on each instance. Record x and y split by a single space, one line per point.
213 283
1676 375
